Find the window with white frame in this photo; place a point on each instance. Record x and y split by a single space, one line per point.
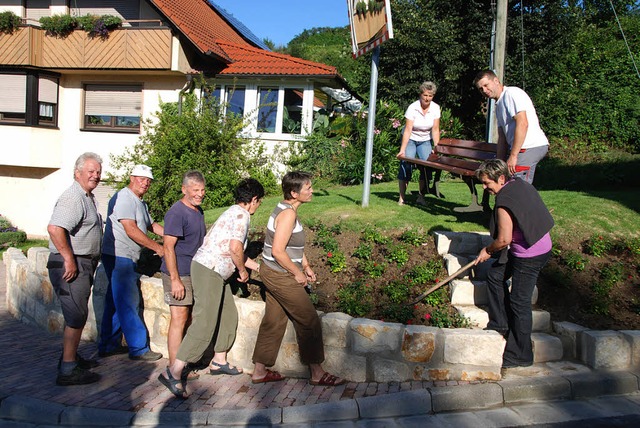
115 108
29 98
280 110
231 96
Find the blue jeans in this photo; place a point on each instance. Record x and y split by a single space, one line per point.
121 308
420 148
511 311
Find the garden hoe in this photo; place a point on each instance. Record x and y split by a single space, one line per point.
440 284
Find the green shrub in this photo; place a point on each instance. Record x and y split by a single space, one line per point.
372 268
575 261
598 245
397 291
355 299
397 312
99 26
373 234
58 25
424 273
364 251
12 239
398 254
337 261
414 237
9 22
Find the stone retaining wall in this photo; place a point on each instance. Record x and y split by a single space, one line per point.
355 348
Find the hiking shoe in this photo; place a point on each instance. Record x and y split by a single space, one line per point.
77 376
86 364
116 351
81 362
147 356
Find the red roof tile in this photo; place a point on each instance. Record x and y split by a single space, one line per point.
197 20
248 60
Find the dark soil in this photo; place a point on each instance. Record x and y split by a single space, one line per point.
605 295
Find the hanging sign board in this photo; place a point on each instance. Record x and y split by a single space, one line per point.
370 24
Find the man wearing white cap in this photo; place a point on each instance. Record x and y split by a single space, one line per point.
128 221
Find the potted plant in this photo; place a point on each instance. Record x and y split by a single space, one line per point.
58 25
9 22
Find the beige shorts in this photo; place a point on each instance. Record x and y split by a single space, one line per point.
188 291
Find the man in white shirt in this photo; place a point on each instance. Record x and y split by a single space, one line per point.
521 141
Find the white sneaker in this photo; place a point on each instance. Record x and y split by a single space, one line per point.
421 201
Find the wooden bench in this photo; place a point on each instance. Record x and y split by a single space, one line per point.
460 157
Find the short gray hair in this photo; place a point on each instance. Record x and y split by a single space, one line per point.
493 169
428 86
193 175
84 157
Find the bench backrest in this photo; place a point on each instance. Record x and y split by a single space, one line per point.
462 156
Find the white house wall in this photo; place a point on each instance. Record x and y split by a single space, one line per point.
38 164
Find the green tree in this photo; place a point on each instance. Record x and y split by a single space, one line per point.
199 137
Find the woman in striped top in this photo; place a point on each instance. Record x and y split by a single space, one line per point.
285 272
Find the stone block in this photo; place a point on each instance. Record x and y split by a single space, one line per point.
369 336
288 361
169 419
633 337
419 343
33 286
453 263
46 290
569 334
250 313
535 388
152 293
32 410
149 318
340 362
474 347
546 348
595 384
84 416
468 243
478 317
245 417
41 315
55 322
331 411
473 396
334 329
385 370
406 403
541 320
466 292
605 349
38 258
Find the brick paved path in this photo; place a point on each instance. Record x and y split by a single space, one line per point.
30 356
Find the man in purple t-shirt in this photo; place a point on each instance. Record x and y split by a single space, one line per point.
184 230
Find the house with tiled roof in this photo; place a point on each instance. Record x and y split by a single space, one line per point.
65 95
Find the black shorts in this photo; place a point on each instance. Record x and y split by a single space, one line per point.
74 295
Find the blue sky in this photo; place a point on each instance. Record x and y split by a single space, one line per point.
282 20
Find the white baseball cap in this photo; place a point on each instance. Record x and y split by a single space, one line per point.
142 171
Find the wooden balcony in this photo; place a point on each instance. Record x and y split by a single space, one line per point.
128 49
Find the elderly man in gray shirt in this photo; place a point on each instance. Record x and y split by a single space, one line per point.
75 232
128 221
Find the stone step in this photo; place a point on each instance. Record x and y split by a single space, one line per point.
546 347
474 292
469 243
479 318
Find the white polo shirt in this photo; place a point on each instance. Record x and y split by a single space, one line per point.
422 122
512 101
